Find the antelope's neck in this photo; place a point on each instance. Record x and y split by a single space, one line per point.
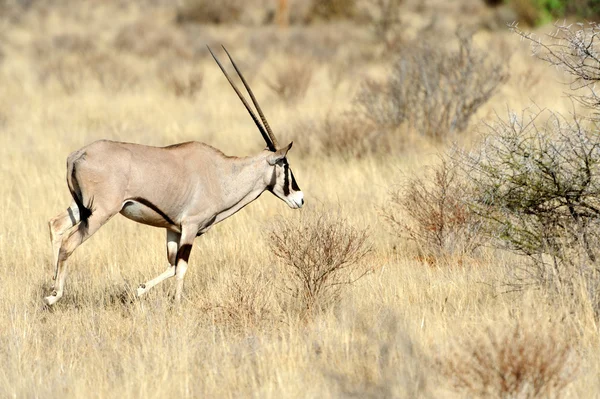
245 181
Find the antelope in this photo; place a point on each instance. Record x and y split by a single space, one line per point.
184 188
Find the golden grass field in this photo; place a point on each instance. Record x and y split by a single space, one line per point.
407 329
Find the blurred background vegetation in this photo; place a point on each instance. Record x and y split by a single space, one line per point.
449 245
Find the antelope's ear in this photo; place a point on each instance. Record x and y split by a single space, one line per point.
279 154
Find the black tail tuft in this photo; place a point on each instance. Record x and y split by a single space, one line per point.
84 211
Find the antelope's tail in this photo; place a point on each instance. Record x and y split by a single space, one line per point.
74 187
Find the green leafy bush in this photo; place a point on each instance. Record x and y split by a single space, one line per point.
539 12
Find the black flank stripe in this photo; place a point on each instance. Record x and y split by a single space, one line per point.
156 209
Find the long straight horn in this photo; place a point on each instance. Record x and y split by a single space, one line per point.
263 132
254 101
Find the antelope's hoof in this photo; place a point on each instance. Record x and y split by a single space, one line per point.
51 300
141 290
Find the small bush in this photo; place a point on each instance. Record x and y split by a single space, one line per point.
292 81
209 11
183 82
149 40
383 16
354 138
517 363
346 136
432 90
332 9
438 219
320 254
77 71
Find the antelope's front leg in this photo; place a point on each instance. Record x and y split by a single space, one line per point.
183 255
172 247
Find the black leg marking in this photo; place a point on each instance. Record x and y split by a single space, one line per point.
184 252
71 216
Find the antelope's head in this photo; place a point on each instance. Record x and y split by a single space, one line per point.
280 179
282 182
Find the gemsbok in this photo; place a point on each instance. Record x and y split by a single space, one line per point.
185 188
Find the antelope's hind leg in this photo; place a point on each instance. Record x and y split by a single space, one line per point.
172 248
68 244
59 225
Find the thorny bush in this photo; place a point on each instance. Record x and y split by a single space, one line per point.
321 254
537 183
439 220
515 363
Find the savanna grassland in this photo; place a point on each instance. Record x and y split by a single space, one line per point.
419 323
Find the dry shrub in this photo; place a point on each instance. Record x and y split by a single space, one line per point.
524 362
528 11
76 71
73 43
438 218
348 136
291 81
112 73
324 45
352 137
149 40
332 9
320 254
344 135
210 11
383 17
433 90
68 73
182 81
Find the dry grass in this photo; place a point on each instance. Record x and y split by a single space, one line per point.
230 337
529 361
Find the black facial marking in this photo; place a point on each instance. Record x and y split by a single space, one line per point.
184 252
294 184
156 209
286 181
